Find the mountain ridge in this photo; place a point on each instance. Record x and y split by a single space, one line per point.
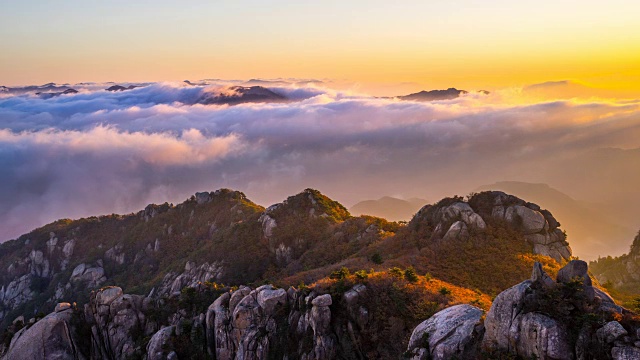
165 268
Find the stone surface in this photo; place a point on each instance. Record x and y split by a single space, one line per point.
574 269
322 300
611 332
159 343
458 230
502 315
49 338
446 335
625 353
62 307
539 275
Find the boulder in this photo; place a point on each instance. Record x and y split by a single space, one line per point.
160 341
530 220
538 336
530 335
50 338
502 315
463 212
322 300
107 295
202 197
611 332
625 353
577 270
574 269
268 299
457 230
447 334
540 276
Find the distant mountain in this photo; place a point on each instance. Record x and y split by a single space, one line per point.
592 230
240 94
4 89
49 95
195 84
389 208
432 95
120 88
46 88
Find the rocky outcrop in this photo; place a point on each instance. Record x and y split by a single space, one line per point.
53 337
538 225
115 319
116 254
26 277
448 334
454 218
192 276
252 324
159 343
538 318
90 276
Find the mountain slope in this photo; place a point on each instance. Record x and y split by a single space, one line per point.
172 262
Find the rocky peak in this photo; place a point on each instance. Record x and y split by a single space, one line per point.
310 203
454 218
299 222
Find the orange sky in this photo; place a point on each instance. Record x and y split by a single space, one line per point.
467 44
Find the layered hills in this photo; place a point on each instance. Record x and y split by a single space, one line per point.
389 208
219 276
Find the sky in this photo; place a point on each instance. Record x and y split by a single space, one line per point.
373 44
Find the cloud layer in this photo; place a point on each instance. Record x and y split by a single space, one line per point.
99 152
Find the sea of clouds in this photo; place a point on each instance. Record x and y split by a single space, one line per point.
98 152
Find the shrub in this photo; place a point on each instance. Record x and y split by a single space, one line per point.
396 272
340 274
361 275
444 291
377 258
428 277
410 274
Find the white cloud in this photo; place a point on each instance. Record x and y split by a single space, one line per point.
100 152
